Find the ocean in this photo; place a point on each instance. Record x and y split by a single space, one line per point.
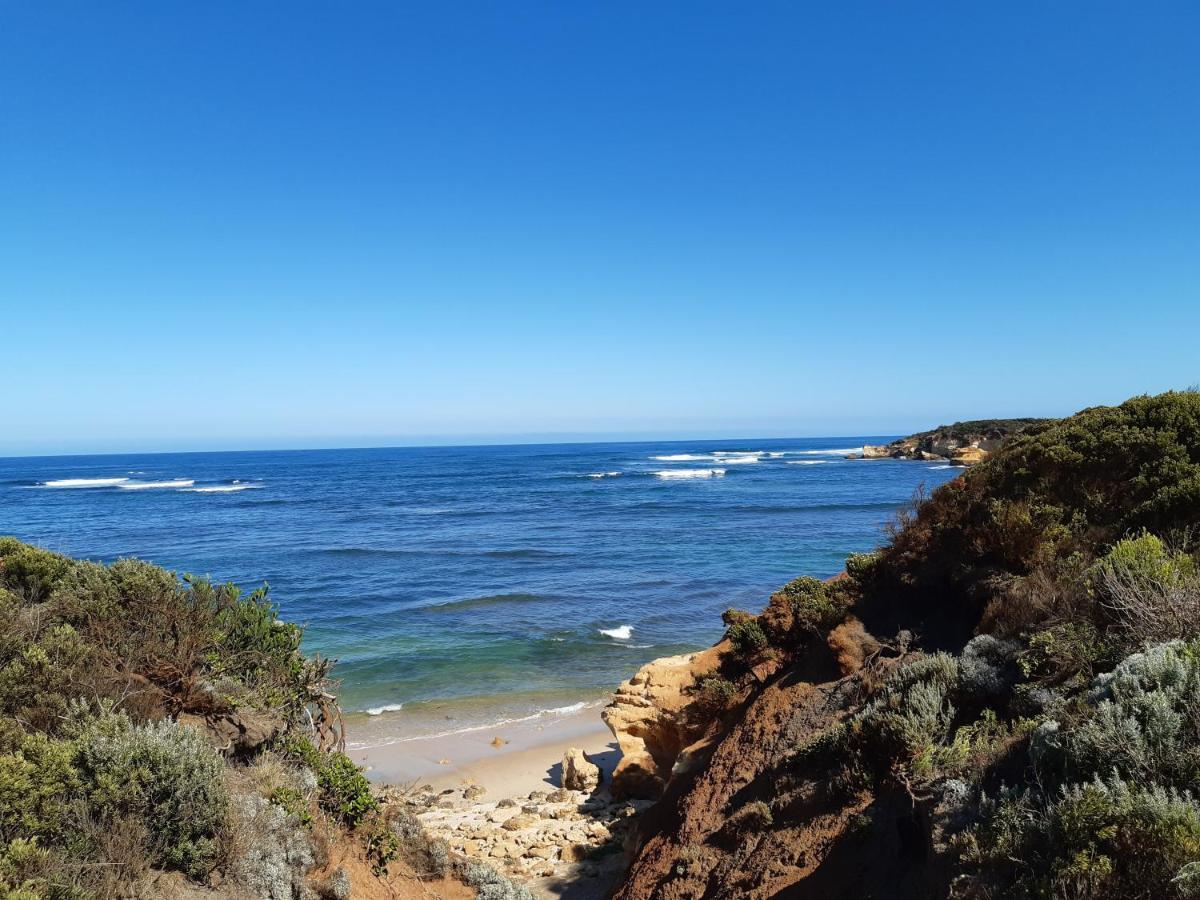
459 587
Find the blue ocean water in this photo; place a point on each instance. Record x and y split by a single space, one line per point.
461 585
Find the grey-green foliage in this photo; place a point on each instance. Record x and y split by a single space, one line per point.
273 852
1144 725
913 710
910 715
1103 839
161 772
490 884
988 667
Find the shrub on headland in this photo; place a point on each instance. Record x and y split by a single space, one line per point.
114 681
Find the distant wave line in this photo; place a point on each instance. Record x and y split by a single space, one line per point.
679 474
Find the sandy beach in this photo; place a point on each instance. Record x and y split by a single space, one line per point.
508 760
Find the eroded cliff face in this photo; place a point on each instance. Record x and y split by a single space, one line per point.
654 719
712 835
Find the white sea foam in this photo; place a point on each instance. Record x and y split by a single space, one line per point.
737 460
836 451
83 482
387 707
683 457
807 462
149 485
602 475
776 454
220 488
689 473
621 633
935 468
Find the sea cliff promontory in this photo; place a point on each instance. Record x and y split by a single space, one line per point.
963 443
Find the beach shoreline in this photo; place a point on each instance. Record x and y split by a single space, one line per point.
507 760
472 787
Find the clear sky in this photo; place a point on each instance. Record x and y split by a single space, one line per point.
230 224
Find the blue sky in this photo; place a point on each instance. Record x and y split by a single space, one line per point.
230 225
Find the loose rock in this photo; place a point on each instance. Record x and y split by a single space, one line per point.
579 772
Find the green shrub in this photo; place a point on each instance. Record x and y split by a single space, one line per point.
37 785
747 637
30 572
715 692
1055 654
813 605
345 791
24 867
1150 594
1077 486
292 801
40 671
859 566
162 773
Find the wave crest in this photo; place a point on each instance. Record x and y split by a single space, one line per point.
82 482
670 474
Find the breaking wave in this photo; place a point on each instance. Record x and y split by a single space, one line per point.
387 707
689 473
221 488
153 485
620 633
82 482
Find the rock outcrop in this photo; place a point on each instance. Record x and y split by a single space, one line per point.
963 443
649 717
579 773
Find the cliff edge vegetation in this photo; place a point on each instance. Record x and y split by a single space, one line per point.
1002 701
166 737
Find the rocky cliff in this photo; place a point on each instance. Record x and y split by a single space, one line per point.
963 443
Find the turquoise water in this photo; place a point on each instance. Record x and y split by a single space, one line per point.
460 585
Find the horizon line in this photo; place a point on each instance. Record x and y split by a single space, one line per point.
564 441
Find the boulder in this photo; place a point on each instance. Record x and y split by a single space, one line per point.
875 451
579 773
519 821
969 456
